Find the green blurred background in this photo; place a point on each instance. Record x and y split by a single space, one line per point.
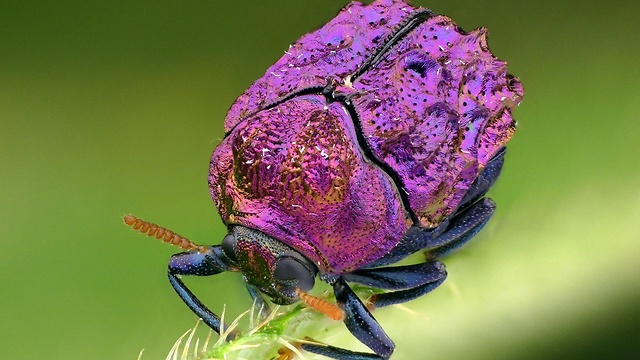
113 107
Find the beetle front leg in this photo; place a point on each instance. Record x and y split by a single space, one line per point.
360 323
199 264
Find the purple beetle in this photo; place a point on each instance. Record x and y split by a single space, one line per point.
371 139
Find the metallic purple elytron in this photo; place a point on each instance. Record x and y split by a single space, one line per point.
372 138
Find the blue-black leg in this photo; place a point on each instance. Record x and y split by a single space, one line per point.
198 264
398 277
401 296
338 353
414 240
462 228
410 281
360 323
464 225
413 281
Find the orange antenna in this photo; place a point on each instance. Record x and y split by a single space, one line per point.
323 306
159 232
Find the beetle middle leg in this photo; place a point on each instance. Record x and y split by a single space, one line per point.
408 281
412 281
438 242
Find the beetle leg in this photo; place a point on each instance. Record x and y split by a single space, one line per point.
360 323
338 353
414 240
401 296
411 281
461 229
452 234
414 281
398 277
199 264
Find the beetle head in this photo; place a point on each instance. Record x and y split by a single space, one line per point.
268 264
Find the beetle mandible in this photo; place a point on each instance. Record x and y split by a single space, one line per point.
371 139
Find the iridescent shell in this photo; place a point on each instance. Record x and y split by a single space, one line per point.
359 132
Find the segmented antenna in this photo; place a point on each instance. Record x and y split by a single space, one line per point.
161 233
323 306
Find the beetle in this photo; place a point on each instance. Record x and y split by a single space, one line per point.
373 138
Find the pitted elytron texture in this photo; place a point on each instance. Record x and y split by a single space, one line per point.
435 109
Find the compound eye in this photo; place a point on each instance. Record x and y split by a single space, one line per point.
289 268
228 246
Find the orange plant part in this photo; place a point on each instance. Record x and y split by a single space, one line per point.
159 232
